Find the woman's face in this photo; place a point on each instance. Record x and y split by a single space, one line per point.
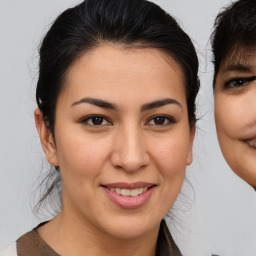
122 139
235 115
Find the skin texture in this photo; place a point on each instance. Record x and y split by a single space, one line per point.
128 146
235 114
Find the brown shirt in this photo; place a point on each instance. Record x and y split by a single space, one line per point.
31 244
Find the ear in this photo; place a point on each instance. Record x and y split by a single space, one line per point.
46 138
192 136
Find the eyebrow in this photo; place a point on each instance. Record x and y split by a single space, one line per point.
104 104
160 103
96 102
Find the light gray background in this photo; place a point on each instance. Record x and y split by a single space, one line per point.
222 217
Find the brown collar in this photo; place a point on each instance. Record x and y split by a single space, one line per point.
32 244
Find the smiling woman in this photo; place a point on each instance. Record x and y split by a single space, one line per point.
234 48
116 117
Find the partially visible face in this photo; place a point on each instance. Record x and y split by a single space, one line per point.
235 115
123 139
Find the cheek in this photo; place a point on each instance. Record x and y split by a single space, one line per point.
235 115
228 116
170 159
171 155
80 155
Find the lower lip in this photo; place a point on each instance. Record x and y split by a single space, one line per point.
129 202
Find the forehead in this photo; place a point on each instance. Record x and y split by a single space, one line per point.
130 57
107 69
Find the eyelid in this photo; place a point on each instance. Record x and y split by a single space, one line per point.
245 80
86 118
169 118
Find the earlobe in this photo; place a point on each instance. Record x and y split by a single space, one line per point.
192 136
190 158
46 138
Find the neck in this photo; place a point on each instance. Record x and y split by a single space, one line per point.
68 236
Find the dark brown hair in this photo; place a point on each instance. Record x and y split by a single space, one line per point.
131 23
234 32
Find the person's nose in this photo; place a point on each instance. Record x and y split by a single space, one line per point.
130 150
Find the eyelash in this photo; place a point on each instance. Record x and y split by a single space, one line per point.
169 119
238 82
102 119
90 117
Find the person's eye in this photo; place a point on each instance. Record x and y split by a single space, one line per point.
238 82
161 120
95 120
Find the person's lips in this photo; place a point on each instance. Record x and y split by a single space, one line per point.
126 189
129 195
252 142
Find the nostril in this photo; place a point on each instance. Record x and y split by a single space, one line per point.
119 167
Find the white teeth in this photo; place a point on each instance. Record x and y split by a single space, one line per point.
135 192
129 192
126 192
118 191
140 190
252 143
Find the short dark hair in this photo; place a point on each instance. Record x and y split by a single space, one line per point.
234 32
129 23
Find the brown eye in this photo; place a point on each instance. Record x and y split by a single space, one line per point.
161 120
96 120
238 82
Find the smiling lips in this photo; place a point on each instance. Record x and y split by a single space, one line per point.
129 195
252 142
129 192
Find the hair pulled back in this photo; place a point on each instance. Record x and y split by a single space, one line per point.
129 23
95 22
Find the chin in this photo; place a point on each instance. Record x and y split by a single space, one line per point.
131 228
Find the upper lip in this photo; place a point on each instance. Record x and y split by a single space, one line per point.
124 185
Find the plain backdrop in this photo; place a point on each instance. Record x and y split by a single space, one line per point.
219 218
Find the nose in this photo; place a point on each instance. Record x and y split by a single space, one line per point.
130 151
